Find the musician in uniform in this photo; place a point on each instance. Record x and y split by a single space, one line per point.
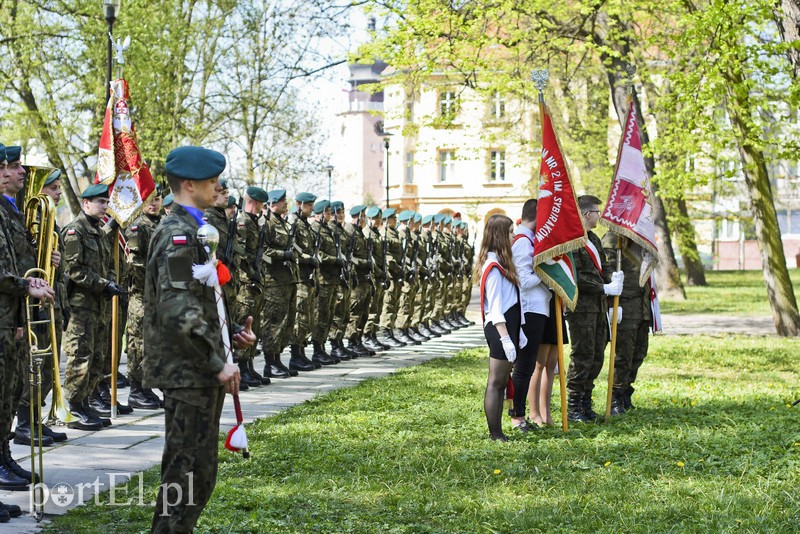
184 351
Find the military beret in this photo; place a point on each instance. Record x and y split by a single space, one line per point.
2 152
194 163
426 219
321 206
356 210
337 205
95 190
448 219
305 197
231 201
417 217
224 183
257 193
405 215
52 177
276 195
13 153
373 212
168 200
389 212
439 217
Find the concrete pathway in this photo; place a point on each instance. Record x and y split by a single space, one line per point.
92 462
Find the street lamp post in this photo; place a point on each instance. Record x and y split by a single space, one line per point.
111 10
329 168
386 145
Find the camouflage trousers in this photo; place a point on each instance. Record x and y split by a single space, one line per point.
390 302
359 309
466 294
86 346
588 333
440 301
249 303
453 295
280 311
420 303
406 306
135 336
122 321
632 345
43 336
341 312
430 295
375 308
306 301
325 304
10 364
190 457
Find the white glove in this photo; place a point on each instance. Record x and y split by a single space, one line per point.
613 289
509 348
619 314
618 275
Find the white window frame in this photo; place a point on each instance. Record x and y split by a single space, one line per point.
497 165
447 166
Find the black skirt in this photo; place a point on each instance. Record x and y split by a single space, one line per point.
513 321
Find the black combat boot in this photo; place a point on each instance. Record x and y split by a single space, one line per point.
98 405
57 437
23 432
150 394
575 409
352 346
323 358
296 360
283 367
338 353
387 339
425 330
441 327
245 377
417 332
84 419
380 343
9 480
617 402
627 399
360 344
587 406
122 381
265 381
104 391
462 319
271 370
416 336
15 467
11 509
305 358
402 337
372 344
139 399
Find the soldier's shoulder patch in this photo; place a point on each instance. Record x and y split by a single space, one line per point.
71 231
134 228
242 224
179 240
205 218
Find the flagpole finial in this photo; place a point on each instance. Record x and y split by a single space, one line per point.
540 78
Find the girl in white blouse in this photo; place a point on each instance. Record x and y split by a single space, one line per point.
502 316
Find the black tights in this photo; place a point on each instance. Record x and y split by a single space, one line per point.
494 397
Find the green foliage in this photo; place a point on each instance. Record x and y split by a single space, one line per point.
707 449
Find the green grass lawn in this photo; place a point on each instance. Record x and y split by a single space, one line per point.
711 447
730 293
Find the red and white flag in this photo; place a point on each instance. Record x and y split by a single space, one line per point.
559 226
119 162
629 209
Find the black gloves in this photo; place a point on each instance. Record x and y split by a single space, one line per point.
113 289
288 255
340 262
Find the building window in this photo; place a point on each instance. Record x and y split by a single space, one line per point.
447 166
448 105
497 166
783 222
497 107
409 174
410 110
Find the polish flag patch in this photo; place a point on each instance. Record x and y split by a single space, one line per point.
179 240
71 231
134 228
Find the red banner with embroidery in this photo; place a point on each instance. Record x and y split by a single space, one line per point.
119 162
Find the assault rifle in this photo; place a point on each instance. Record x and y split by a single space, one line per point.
262 238
232 231
414 254
403 254
386 281
344 279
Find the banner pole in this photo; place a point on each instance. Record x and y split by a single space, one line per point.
562 375
613 352
115 330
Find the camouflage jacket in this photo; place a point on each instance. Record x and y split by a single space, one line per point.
12 286
358 254
635 300
278 271
183 345
87 255
407 259
422 254
249 236
591 298
138 237
304 248
374 234
395 253
21 238
328 271
340 236
443 249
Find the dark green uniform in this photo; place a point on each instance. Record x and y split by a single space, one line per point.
305 244
327 280
409 281
341 309
360 287
375 243
280 286
391 299
250 293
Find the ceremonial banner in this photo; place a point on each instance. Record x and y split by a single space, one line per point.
629 209
119 162
559 226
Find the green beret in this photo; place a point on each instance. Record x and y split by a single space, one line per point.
426 219
276 195
389 212
95 190
321 206
13 153
356 210
373 212
337 205
194 163
305 197
168 200
439 217
231 201
257 193
2 152
52 177
224 183
405 215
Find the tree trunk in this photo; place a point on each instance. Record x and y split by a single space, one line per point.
788 20
768 234
687 243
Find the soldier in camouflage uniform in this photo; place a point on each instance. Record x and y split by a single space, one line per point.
280 285
426 266
360 290
443 270
306 247
378 280
341 309
394 256
327 280
250 274
469 260
633 328
184 352
408 282
138 237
